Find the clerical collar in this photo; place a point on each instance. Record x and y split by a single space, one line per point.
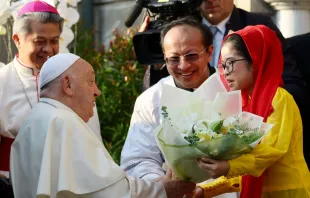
55 103
23 68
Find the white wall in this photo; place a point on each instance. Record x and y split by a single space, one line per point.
243 4
293 22
254 6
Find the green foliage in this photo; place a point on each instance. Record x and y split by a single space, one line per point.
192 139
119 78
252 137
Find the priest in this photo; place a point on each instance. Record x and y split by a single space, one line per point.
56 154
36 34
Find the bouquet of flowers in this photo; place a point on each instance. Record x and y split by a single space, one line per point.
208 122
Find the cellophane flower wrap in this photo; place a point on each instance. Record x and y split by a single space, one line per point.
208 122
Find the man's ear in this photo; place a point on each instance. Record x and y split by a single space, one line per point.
210 51
17 40
66 83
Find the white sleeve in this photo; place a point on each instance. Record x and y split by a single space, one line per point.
130 188
94 124
141 156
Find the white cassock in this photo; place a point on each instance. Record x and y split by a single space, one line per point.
141 156
18 94
56 154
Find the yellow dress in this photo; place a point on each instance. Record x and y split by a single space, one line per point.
280 155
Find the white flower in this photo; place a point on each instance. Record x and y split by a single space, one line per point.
51 2
73 2
71 15
211 133
66 38
17 6
200 125
63 49
6 10
184 123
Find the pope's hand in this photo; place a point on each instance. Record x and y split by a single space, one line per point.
175 188
216 168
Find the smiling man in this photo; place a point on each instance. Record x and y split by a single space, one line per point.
58 154
222 17
187 46
187 53
36 34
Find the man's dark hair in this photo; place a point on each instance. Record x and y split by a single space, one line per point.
206 33
237 42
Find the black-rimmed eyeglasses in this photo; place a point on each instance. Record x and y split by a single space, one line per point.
229 64
190 57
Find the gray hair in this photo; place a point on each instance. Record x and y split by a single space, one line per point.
22 24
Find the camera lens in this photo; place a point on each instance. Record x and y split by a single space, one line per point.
147 48
153 44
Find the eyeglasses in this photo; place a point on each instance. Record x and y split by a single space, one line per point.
190 57
229 65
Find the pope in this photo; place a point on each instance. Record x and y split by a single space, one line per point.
59 155
36 34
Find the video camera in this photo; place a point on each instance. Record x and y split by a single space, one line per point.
147 44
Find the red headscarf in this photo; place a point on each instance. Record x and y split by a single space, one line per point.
267 62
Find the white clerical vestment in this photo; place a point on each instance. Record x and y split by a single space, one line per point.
141 156
56 154
19 92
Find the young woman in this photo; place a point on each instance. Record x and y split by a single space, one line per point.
252 62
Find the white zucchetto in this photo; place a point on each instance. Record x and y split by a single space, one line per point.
55 66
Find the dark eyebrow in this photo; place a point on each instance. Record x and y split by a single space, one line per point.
191 51
174 55
231 59
42 37
228 59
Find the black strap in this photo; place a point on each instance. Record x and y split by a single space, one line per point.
211 69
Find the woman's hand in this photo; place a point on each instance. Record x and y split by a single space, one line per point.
198 192
216 168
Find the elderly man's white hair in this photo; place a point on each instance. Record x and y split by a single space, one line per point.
55 66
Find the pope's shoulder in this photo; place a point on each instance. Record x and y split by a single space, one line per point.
45 113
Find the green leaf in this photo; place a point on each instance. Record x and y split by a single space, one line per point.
192 139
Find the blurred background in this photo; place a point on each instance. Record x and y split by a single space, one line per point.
95 30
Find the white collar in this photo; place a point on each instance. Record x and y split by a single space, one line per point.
221 26
22 67
55 103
